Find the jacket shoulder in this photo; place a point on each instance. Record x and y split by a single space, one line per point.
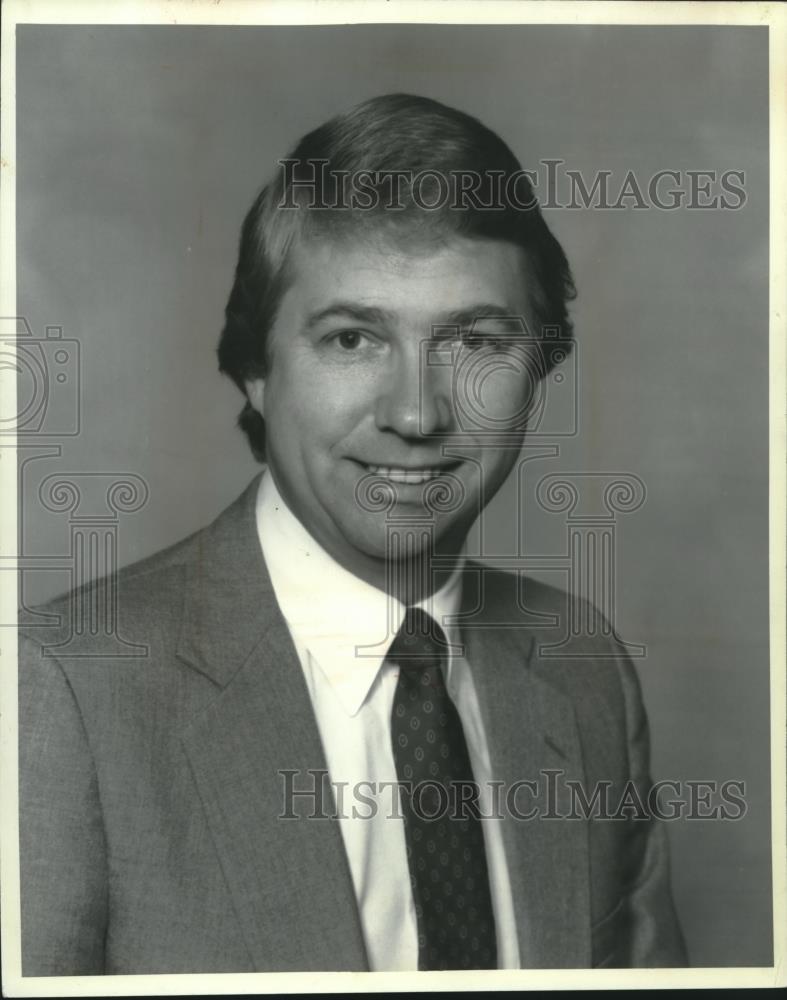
146 591
517 596
562 637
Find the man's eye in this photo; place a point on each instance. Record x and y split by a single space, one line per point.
349 340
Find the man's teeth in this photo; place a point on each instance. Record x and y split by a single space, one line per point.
410 476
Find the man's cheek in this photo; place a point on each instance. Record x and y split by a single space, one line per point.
505 397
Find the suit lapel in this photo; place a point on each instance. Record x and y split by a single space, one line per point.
289 877
531 731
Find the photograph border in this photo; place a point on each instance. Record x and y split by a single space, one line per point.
277 12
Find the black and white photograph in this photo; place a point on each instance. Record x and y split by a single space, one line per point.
393 496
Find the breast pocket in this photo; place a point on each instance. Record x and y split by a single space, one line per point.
610 939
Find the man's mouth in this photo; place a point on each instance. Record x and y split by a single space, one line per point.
410 477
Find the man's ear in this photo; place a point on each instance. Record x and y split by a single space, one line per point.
255 391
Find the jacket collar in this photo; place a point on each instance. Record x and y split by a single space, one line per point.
229 602
287 872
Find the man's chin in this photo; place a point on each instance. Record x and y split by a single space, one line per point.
404 533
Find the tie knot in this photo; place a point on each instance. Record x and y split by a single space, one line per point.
420 643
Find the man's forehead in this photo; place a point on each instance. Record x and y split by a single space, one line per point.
460 274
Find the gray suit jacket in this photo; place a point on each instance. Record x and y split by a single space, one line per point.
150 788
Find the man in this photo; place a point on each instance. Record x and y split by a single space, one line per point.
224 803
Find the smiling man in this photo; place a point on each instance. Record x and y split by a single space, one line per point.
344 748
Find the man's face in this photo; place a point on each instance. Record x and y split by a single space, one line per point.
366 353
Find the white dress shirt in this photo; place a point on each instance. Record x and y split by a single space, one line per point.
341 628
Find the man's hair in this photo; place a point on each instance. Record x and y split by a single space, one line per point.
397 147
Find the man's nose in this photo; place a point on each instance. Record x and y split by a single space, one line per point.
416 399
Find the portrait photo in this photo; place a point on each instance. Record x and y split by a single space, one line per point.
392 497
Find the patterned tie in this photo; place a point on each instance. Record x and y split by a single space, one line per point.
444 839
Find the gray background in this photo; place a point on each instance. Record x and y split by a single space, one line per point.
139 151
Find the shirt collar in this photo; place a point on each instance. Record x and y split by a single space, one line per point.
345 623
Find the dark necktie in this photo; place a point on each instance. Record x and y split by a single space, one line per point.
444 839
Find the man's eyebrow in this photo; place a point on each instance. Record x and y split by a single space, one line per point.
353 310
464 317
485 310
